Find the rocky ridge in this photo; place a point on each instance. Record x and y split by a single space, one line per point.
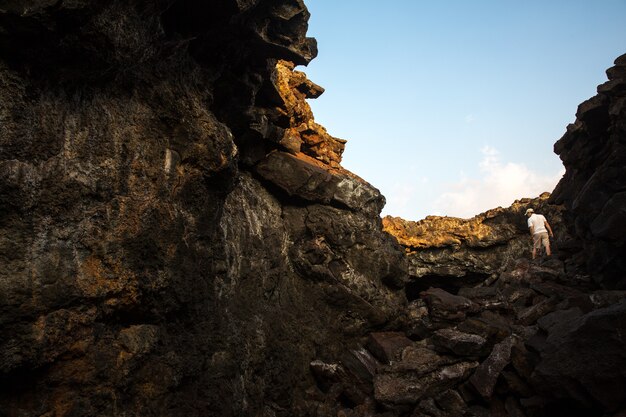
592 189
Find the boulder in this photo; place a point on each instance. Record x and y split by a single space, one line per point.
421 360
386 346
486 375
459 343
583 358
447 307
410 388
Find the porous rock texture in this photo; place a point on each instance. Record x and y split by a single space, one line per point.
177 236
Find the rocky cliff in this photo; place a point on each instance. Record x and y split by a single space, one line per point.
178 238
593 188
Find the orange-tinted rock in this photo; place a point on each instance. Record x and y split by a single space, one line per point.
294 88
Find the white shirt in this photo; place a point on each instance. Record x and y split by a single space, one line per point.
537 222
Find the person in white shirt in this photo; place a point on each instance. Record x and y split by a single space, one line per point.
539 229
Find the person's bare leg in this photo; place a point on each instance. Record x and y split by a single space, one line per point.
546 244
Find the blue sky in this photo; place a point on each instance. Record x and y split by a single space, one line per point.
452 107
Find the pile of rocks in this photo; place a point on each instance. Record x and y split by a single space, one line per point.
530 343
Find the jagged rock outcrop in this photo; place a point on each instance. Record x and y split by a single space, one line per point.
452 252
593 190
177 236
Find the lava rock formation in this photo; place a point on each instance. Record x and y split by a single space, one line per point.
178 238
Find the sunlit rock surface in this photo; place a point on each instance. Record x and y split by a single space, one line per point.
454 252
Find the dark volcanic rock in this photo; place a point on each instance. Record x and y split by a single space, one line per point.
403 388
447 307
459 343
386 346
177 236
583 357
592 189
487 373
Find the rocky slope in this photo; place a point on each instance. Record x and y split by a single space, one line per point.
178 238
487 331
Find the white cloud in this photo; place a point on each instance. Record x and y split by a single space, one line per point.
500 184
469 118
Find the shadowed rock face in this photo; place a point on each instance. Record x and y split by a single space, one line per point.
594 154
177 236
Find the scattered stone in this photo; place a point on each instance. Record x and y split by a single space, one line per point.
386 346
531 314
360 363
419 323
327 374
490 326
446 306
459 343
485 377
409 388
421 360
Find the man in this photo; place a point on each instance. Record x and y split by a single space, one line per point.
539 229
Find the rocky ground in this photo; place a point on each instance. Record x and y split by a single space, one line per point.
529 338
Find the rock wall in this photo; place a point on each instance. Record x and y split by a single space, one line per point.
177 236
594 154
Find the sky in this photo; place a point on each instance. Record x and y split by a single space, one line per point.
452 107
